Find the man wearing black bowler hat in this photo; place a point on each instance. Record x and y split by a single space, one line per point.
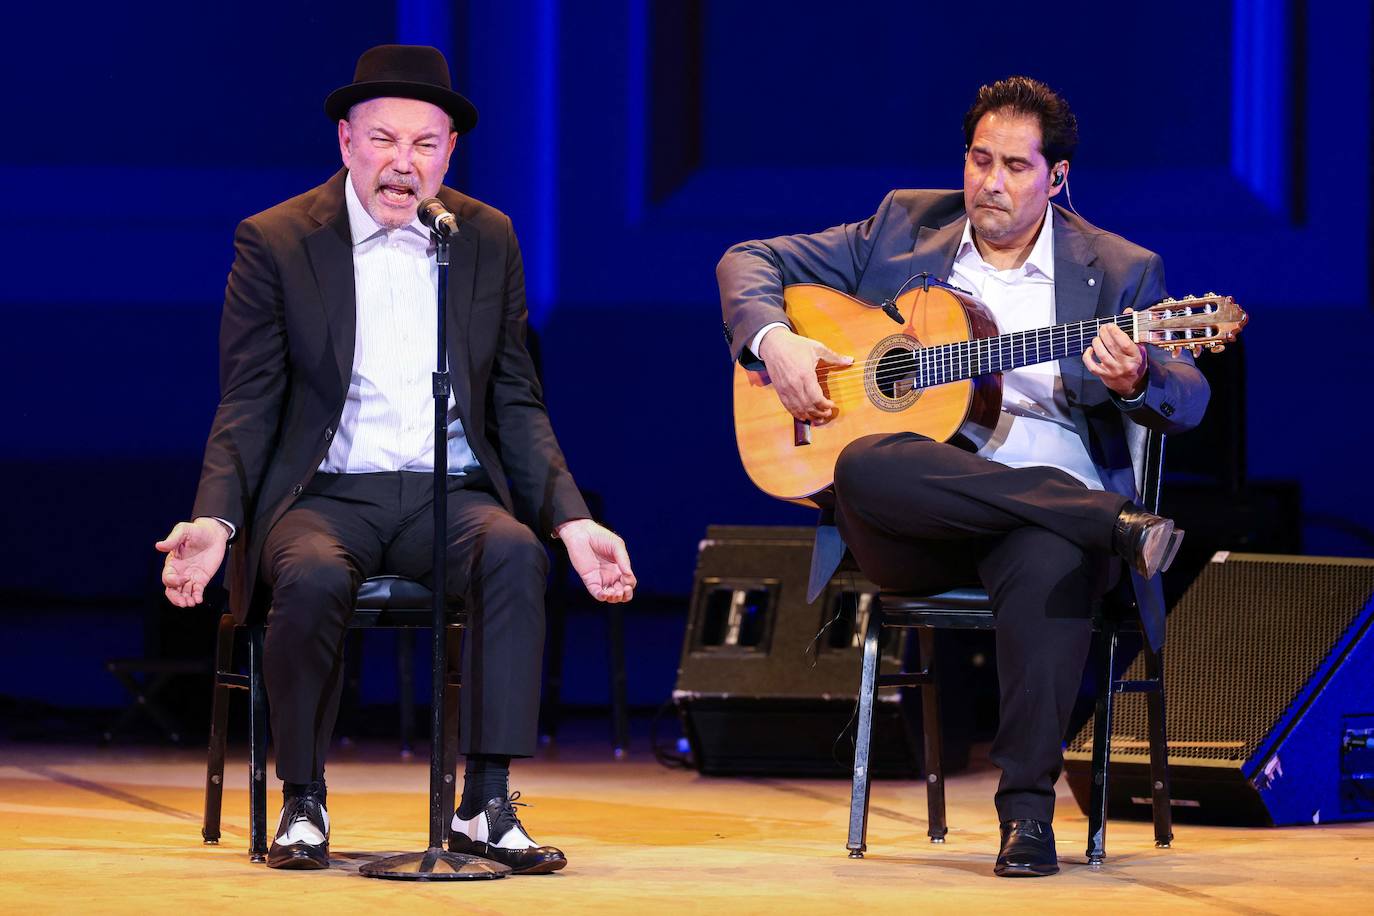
319 464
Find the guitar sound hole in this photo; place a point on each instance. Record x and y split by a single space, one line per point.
895 373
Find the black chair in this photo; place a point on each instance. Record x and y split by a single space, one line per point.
383 601
970 608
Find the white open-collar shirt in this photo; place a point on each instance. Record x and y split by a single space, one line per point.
1034 428
388 416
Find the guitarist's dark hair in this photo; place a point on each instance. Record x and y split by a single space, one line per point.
1024 95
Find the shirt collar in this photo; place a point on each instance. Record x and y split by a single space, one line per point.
361 225
1041 257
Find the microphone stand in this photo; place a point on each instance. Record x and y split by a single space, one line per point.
436 863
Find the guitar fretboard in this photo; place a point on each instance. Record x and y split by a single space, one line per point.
970 358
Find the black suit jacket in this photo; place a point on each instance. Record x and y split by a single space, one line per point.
286 356
1096 273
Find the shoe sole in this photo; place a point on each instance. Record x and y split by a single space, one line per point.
1175 541
1161 543
299 862
1025 871
480 850
543 868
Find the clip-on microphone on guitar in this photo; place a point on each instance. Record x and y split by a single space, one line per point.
889 306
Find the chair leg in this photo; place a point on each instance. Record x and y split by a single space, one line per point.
452 722
1102 738
219 722
858 799
257 749
620 704
1159 750
405 676
932 732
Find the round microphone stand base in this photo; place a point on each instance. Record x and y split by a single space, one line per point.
434 864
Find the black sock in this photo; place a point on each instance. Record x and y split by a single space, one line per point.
290 790
485 777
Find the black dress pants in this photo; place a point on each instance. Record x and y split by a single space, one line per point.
347 527
926 516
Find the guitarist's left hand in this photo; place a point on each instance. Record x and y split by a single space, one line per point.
1118 361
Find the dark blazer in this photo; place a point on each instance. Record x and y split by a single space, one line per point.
1096 274
286 356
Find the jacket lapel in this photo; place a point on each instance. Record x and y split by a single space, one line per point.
1077 292
935 249
330 249
462 280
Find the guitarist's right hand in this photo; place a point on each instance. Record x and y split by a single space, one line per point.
792 361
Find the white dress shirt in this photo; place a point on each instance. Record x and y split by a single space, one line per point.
388 415
1034 428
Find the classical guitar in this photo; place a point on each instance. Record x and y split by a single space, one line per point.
937 374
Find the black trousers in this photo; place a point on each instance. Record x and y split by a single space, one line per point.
926 516
347 527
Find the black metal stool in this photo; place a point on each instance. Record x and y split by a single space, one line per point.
383 601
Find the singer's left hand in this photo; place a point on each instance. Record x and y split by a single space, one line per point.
599 556
1117 360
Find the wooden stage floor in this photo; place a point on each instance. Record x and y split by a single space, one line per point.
114 831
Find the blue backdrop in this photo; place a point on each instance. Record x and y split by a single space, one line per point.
632 141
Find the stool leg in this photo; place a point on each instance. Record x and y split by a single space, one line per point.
1159 750
257 749
868 683
933 738
1102 749
219 722
620 704
405 675
452 722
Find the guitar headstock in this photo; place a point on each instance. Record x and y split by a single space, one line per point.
1193 322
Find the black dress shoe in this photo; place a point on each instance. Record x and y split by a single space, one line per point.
302 839
1146 541
1027 850
496 833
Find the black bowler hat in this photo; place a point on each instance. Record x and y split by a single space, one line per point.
407 72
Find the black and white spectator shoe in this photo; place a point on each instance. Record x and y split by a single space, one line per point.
302 839
497 834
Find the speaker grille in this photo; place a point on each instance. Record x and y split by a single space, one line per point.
1242 642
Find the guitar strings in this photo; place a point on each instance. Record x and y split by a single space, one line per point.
955 356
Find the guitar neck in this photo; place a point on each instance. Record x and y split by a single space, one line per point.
966 359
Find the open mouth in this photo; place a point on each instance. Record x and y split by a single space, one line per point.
396 195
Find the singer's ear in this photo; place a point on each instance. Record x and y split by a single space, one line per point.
345 141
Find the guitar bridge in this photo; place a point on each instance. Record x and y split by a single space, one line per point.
801 432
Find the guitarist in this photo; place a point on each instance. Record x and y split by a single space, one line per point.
1045 513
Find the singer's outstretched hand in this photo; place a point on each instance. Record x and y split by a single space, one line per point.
599 556
194 552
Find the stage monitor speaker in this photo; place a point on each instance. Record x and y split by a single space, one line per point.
758 691
1269 698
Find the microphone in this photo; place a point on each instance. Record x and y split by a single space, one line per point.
437 218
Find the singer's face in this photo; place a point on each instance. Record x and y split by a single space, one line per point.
396 152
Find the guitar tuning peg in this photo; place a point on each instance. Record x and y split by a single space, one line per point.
1197 349
1216 347
1189 298
1211 295
1168 299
